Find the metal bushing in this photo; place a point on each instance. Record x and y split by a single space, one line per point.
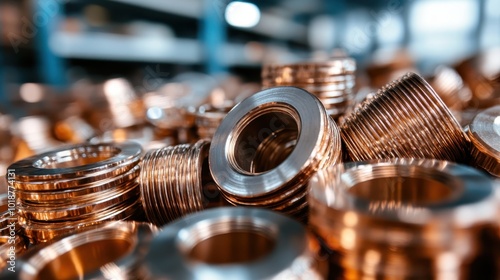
76 186
172 181
269 145
232 243
484 132
405 119
428 212
113 250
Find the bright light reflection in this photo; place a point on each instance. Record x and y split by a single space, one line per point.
31 93
242 14
496 125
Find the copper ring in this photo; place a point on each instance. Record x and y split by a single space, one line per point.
80 206
112 251
41 232
60 196
332 81
423 209
75 161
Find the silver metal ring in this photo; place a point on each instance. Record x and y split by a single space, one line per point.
204 245
250 124
484 132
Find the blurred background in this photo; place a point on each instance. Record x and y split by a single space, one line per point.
71 70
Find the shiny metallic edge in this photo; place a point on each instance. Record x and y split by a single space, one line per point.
26 170
475 192
290 237
237 183
140 233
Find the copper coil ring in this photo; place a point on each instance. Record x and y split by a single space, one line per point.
405 119
172 181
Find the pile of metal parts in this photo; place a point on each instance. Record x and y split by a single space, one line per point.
304 182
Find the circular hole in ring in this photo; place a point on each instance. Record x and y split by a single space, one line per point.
84 259
402 190
231 241
264 138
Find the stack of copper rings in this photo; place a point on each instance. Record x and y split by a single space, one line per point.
76 186
112 250
405 119
332 81
269 145
402 218
484 132
172 181
234 243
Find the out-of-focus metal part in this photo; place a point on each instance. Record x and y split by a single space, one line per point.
113 250
332 81
11 246
405 119
173 181
208 118
7 216
76 186
426 211
110 105
144 135
168 108
233 243
36 132
449 86
170 112
480 72
386 67
286 118
484 132
73 129
8 143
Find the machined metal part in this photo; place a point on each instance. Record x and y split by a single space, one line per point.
172 181
427 211
75 161
113 250
76 186
332 81
233 243
484 132
405 119
248 161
